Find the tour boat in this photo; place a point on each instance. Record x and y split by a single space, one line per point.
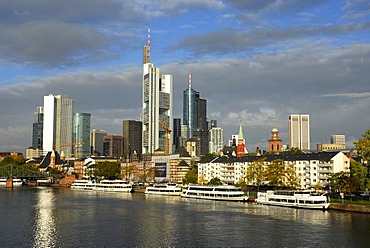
16 182
296 199
164 189
103 185
215 192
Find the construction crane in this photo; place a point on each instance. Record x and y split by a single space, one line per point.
75 144
168 131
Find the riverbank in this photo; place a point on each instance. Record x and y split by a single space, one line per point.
350 207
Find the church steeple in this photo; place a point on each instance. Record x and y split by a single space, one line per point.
241 135
241 148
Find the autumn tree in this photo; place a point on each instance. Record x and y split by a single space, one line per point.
108 170
255 173
363 146
191 176
275 173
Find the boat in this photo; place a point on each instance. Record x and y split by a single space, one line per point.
16 182
164 189
103 185
295 199
215 192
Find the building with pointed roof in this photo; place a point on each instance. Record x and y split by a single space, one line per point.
241 147
275 144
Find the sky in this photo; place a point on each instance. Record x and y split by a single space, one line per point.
255 62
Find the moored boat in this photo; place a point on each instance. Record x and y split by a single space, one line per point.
16 182
215 192
103 185
164 189
296 199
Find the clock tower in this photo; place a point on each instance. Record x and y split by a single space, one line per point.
275 144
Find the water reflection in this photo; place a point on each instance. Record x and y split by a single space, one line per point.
44 227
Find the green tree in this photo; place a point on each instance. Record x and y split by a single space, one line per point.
363 146
256 172
191 176
215 181
291 179
358 176
31 167
108 170
338 181
292 150
275 173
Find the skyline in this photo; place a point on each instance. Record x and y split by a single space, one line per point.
255 62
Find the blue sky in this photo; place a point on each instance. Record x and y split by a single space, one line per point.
256 62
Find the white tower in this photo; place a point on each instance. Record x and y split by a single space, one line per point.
299 131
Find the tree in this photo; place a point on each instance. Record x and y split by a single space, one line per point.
108 170
215 181
256 172
291 179
275 173
363 146
358 176
191 176
338 181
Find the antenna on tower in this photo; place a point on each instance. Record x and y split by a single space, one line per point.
189 80
148 45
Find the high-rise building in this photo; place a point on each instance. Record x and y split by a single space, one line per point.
132 138
38 128
113 146
339 139
176 134
81 137
216 137
97 142
58 124
157 106
299 131
195 118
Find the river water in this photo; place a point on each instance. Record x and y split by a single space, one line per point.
61 217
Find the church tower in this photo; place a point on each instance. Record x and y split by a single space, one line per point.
241 148
275 144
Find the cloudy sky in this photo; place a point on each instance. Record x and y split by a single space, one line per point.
256 62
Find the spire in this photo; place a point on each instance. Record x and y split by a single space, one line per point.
149 44
241 136
189 80
146 51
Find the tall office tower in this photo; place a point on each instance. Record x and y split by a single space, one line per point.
97 142
81 137
37 128
216 137
113 146
176 133
339 139
195 118
212 124
58 124
157 106
299 131
132 137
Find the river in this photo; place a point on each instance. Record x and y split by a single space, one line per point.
61 217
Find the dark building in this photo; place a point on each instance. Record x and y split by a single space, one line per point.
113 146
37 128
176 133
132 138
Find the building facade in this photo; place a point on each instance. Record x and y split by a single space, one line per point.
81 127
132 138
299 131
58 124
339 139
310 169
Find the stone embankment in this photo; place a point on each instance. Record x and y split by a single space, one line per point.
350 207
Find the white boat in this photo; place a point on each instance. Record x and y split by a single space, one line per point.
16 182
296 199
103 185
164 189
220 193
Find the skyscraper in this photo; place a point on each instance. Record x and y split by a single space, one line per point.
216 139
37 128
97 142
157 106
195 118
132 137
58 124
299 131
81 136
